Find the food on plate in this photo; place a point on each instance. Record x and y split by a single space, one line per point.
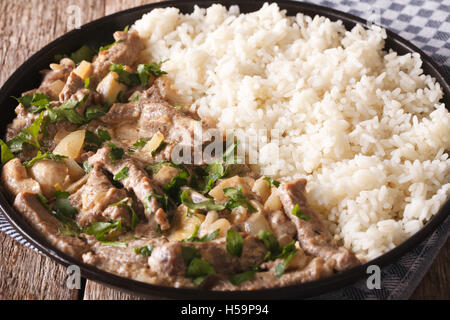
103 157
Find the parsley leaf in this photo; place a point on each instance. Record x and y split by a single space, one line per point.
198 269
216 170
116 152
6 153
122 174
87 82
106 47
205 238
127 78
95 141
139 144
207 205
271 181
64 212
145 251
178 181
39 100
33 132
43 200
271 244
95 111
237 199
100 229
66 111
84 53
234 243
299 214
287 254
237 279
145 70
189 253
163 200
153 168
125 202
43 156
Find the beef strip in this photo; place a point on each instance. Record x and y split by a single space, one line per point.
168 259
47 225
124 51
312 234
122 261
93 198
73 84
281 225
62 73
137 181
152 114
316 269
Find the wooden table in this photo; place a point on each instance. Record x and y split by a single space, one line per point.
25 27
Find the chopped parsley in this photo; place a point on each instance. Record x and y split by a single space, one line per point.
271 244
101 229
106 47
299 214
162 200
125 202
84 53
237 199
234 243
6 153
139 144
116 152
95 111
145 251
271 182
94 141
140 77
287 253
196 268
237 279
145 70
174 185
205 238
276 252
39 100
122 174
64 212
43 156
207 205
66 111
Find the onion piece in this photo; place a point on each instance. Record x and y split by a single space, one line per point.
70 146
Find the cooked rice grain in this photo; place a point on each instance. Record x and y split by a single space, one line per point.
364 126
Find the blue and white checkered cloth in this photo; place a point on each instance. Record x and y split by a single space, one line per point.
427 25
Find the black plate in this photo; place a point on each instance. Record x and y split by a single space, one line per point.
98 33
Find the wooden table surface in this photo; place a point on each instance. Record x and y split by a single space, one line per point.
25 27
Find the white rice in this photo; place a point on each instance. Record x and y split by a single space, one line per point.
364 126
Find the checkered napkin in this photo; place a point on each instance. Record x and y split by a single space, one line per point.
427 25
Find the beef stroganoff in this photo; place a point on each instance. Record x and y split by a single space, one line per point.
122 157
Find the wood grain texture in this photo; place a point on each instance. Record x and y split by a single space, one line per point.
25 274
97 291
25 27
